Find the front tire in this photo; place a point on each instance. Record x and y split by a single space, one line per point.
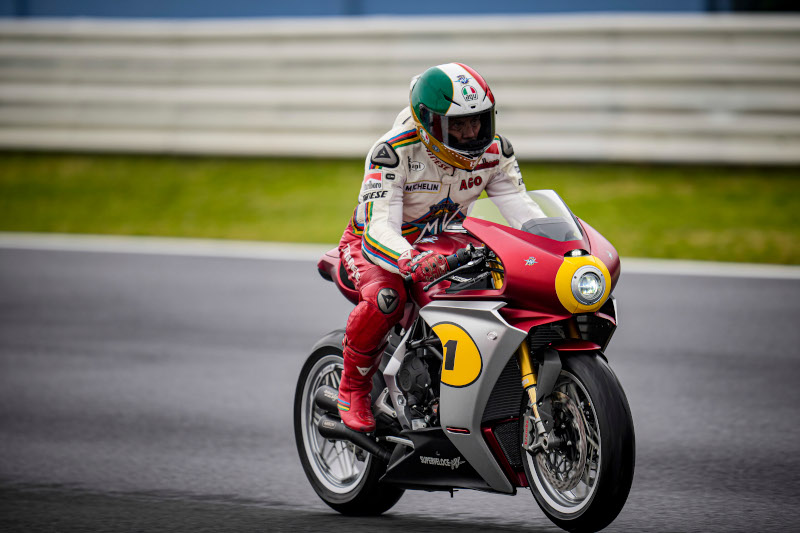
343 475
582 480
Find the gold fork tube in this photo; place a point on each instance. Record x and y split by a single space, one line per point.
528 374
529 384
497 276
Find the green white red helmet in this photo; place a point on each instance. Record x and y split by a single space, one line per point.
447 92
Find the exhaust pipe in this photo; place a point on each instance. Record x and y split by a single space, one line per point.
331 427
334 429
327 398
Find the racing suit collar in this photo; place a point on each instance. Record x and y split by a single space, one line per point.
450 170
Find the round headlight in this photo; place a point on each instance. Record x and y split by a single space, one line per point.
588 285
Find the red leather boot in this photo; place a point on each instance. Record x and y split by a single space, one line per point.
355 403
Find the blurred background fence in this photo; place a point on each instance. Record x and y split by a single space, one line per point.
677 88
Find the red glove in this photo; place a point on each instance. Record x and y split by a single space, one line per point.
425 266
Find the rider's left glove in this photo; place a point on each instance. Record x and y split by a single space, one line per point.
425 266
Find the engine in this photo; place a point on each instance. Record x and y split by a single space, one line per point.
414 379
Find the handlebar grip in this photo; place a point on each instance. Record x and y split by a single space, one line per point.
457 259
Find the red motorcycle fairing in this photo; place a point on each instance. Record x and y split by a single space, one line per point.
574 345
526 320
445 244
530 265
528 261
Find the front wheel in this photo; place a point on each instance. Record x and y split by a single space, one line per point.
582 478
343 475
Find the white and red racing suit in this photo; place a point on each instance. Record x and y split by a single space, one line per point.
408 194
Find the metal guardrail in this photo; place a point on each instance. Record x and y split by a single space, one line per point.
648 88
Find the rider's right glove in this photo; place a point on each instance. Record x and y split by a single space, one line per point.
425 266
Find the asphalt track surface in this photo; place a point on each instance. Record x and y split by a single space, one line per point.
153 393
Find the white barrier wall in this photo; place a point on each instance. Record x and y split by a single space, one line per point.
629 88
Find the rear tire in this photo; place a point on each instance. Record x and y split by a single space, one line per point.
583 483
343 475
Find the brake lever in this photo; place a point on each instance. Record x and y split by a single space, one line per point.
466 266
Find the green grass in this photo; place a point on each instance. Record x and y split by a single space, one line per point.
693 212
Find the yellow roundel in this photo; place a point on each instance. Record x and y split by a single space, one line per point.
462 360
564 283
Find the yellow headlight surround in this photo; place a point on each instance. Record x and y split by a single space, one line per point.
564 283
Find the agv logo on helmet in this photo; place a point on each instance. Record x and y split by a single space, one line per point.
469 93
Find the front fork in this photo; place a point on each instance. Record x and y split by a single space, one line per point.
538 385
529 385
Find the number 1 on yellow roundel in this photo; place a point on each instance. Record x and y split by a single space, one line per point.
462 360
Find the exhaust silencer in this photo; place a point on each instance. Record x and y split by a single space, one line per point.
334 429
327 398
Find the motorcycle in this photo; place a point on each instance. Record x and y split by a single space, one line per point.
496 378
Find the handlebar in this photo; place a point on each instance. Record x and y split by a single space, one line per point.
459 258
463 259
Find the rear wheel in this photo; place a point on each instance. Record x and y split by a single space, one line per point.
342 474
582 478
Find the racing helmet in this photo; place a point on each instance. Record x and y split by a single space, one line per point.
453 109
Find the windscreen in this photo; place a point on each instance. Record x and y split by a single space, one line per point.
557 223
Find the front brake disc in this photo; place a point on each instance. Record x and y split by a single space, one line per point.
563 466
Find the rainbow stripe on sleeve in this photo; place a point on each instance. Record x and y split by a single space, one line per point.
376 251
407 138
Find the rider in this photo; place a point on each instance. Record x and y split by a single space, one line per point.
441 153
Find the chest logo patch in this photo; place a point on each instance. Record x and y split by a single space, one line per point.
485 163
372 181
423 186
416 166
436 219
475 181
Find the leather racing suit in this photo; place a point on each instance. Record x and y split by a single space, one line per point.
408 194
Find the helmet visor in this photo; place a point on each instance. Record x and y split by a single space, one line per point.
470 135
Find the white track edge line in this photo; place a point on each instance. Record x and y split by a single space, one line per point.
312 252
